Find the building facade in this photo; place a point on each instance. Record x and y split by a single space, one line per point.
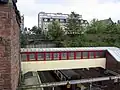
44 19
118 21
22 23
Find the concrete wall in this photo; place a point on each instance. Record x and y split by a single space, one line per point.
9 48
62 64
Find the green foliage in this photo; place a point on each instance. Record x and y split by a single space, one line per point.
35 30
96 27
74 30
31 34
103 34
55 33
99 33
23 39
74 25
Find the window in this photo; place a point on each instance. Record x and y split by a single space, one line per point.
61 20
48 56
54 19
40 56
63 55
78 55
45 20
91 55
71 55
32 56
65 20
85 55
97 54
48 19
24 57
51 20
56 56
102 54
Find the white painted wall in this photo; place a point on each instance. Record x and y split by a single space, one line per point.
62 64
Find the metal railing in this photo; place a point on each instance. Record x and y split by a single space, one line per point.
81 81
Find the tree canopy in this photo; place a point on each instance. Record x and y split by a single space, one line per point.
74 25
97 33
55 32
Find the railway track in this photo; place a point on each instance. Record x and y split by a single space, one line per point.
85 74
91 73
48 77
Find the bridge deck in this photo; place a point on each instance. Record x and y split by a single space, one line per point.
62 64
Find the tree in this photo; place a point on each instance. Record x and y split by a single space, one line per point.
100 33
23 38
74 25
35 30
74 31
55 32
37 33
96 27
113 29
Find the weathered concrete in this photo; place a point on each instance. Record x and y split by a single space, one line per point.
33 80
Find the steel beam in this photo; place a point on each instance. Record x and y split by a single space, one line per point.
54 84
112 72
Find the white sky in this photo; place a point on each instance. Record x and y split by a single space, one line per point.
89 9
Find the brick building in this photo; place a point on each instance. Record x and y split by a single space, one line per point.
9 45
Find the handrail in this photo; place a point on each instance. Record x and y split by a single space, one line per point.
54 84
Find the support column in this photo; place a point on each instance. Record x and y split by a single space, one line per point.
9 46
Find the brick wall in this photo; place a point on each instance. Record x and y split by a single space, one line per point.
9 48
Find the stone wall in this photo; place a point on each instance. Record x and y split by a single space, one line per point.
9 48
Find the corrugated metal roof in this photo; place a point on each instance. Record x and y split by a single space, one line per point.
114 51
63 49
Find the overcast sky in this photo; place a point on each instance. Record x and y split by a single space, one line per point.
89 9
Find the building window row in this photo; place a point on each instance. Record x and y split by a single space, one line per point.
62 55
51 20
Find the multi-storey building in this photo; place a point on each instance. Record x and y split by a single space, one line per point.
22 23
118 21
44 19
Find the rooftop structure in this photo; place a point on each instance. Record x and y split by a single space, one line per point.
107 21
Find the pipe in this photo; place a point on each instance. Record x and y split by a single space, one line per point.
54 84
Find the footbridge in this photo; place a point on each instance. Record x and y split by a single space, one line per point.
44 59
